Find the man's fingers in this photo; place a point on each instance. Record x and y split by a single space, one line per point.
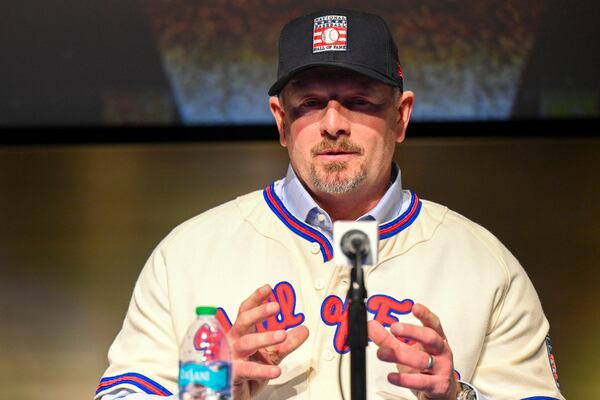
246 321
380 336
417 382
250 370
294 339
252 342
412 361
405 356
428 318
430 339
255 299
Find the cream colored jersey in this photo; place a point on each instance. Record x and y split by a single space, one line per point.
489 309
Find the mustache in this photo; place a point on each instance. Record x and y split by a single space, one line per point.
343 144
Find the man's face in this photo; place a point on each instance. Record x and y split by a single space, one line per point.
340 129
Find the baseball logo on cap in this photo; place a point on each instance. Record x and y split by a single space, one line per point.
330 33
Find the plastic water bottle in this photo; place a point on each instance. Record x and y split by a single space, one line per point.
205 370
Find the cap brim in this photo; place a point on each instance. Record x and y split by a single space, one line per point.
282 81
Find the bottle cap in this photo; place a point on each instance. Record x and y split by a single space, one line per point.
206 310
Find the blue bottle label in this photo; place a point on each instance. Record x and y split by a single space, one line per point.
214 376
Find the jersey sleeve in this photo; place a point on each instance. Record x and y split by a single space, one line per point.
516 360
144 356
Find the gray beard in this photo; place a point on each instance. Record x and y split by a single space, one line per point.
337 183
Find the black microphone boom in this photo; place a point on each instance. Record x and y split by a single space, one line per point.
355 245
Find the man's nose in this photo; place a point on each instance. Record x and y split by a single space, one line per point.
334 121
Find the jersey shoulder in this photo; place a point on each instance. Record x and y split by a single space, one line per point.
459 228
220 221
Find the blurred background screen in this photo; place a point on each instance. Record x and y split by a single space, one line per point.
211 62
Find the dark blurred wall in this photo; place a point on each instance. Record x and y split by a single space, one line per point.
70 62
561 76
77 223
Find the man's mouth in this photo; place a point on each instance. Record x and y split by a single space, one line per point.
333 152
336 155
336 151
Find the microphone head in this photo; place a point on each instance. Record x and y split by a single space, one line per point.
355 243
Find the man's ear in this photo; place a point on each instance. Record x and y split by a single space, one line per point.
405 106
279 114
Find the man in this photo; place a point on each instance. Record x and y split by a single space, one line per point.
453 315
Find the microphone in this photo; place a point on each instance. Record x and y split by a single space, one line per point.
355 240
355 243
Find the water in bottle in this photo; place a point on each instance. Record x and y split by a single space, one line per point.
205 362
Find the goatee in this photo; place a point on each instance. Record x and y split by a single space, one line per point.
334 178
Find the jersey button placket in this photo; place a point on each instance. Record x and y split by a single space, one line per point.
315 248
319 284
328 355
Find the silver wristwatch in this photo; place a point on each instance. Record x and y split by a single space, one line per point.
466 392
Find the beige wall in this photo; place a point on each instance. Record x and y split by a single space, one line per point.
76 224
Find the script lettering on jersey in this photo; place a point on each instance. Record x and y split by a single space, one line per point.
384 308
334 312
287 318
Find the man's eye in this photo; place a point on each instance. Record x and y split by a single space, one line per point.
311 103
360 101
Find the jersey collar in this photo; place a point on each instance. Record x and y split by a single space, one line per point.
298 200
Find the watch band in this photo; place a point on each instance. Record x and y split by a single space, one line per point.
466 392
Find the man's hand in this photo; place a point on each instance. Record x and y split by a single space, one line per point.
437 382
256 356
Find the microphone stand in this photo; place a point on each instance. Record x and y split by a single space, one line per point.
357 329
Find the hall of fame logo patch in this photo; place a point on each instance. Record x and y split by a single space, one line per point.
552 360
330 33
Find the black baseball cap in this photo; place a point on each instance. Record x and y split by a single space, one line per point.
341 38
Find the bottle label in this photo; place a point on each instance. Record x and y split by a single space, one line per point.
214 376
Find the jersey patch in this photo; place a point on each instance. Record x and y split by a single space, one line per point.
330 33
552 361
